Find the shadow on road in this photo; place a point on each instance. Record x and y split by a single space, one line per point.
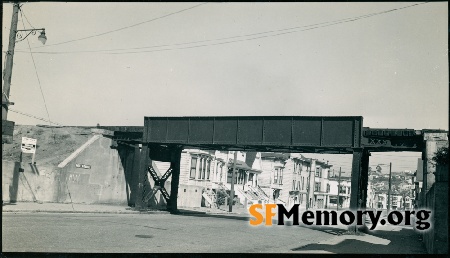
9 203
203 214
330 230
405 241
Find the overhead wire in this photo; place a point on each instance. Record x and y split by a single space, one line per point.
123 28
35 69
33 116
282 32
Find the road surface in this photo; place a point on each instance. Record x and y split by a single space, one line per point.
147 233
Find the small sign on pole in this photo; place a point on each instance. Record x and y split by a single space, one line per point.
28 145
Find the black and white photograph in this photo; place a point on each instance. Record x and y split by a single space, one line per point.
225 127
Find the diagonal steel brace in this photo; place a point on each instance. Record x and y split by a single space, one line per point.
159 184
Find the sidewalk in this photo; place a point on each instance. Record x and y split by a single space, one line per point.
70 208
105 208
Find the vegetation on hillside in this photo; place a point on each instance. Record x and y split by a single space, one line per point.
441 156
53 144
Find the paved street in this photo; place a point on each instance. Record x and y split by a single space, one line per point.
195 232
148 233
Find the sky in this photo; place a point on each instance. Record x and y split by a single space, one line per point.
114 63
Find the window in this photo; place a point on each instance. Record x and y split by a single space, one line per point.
236 176
216 174
293 185
200 170
219 170
204 168
318 172
317 187
193 167
303 183
240 177
297 167
278 176
208 169
298 186
328 188
250 177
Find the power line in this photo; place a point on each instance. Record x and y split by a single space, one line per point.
282 32
32 116
35 69
22 13
123 28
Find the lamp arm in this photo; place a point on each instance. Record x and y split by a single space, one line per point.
20 37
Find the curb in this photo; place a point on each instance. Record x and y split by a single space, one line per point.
98 212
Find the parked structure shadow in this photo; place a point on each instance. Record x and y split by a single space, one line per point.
405 241
206 215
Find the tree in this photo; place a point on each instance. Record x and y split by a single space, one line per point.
441 156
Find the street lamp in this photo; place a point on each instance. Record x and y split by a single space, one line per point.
42 38
8 126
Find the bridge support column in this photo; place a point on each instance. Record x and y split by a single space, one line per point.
172 204
143 165
364 180
356 178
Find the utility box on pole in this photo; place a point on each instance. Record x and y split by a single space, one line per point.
7 131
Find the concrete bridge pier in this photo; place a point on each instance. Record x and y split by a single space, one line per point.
358 194
144 162
172 205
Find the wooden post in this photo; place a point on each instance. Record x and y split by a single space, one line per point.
339 189
172 206
389 190
230 202
9 61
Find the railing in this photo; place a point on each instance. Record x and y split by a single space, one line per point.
260 194
260 190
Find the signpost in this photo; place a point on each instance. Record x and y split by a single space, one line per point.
29 146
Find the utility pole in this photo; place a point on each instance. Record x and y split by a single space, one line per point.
9 61
8 126
339 189
230 202
389 190
308 188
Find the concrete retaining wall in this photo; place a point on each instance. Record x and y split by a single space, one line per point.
95 175
101 181
436 239
35 183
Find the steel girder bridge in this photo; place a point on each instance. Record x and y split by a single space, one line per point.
163 139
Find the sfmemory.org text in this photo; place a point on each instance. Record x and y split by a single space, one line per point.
322 217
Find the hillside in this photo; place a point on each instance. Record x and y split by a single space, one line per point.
53 144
